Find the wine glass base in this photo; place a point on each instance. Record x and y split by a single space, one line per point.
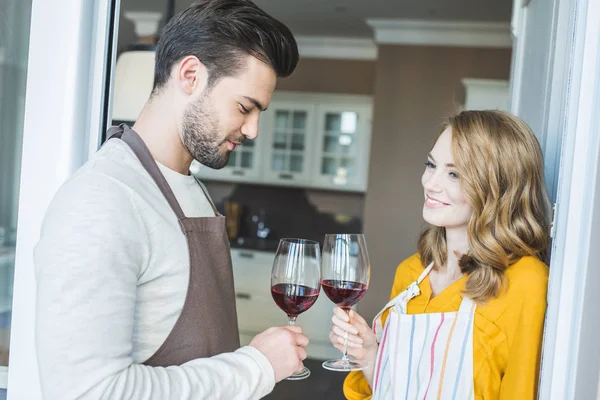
345 365
305 373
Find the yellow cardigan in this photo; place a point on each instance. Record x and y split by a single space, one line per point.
507 336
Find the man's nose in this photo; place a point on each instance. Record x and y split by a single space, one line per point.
250 128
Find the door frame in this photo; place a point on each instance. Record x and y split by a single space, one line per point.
570 141
66 99
66 115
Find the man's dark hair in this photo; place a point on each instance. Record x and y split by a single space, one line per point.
221 33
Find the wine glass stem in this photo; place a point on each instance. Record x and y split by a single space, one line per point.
345 357
292 320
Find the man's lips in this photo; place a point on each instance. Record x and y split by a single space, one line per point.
231 144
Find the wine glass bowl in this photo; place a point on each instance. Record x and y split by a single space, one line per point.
345 276
344 293
296 281
294 299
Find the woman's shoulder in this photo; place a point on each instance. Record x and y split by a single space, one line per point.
523 295
527 275
411 265
407 272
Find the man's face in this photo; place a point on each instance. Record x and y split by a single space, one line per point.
223 116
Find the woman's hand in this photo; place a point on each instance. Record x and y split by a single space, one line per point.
362 343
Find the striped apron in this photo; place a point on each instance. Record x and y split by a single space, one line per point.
424 356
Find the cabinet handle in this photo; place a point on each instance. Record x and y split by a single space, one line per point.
286 176
238 172
245 296
246 255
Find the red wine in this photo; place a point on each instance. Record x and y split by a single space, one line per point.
344 293
294 299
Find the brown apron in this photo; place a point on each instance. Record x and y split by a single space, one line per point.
208 323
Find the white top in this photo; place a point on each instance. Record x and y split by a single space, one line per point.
112 270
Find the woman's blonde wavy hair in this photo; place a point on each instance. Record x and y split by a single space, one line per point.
501 171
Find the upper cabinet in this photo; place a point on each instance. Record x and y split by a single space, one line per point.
289 139
305 140
344 138
486 94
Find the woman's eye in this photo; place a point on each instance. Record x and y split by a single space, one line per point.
429 164
453 175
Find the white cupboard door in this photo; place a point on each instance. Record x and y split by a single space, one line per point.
344 137
290 136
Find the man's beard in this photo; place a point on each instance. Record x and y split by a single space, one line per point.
200 134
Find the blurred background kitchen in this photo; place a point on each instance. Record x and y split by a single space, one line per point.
342 146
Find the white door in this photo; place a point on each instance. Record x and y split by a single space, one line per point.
556 89
70 52
14 44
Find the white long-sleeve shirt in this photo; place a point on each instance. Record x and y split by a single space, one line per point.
112 270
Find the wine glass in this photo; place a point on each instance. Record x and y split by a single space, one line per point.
345 278
296 281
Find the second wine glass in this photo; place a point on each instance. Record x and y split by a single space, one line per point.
345 275
296 281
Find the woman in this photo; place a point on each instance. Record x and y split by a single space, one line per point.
466 314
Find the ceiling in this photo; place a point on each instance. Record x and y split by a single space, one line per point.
346 18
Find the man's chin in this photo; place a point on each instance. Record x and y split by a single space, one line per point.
219 163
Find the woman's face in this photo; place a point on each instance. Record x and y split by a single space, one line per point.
445 202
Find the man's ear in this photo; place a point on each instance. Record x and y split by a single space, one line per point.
190 75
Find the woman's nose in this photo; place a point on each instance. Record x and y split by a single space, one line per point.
431 181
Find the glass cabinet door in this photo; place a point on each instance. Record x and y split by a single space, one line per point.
343 149
291 140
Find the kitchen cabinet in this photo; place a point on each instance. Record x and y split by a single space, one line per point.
257 311
310 140
288 126
344 145
486 94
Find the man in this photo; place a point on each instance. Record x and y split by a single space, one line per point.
135 289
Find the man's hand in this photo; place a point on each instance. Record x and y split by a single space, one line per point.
284 348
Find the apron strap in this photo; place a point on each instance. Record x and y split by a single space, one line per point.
425 273
412 290
401 299
115 132
467 305
129 136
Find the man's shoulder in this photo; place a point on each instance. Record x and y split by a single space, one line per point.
114 159
113 169
108 180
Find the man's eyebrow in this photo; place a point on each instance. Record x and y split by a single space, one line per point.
255 102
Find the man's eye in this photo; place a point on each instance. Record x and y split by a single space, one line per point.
244 110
